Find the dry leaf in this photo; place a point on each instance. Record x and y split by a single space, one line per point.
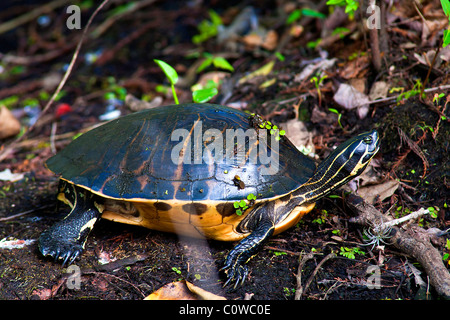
270 41
379 90
253 40
299 135
355 68
182 290
136 104
263 71
378 192
9 125
7 175
315 68
260 38
350 98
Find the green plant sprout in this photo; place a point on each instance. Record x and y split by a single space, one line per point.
417 89
350 253
339 116
204 95
322 218
317 83
350 6
115 92
288 291
437 98
433 212
273 129
176 270
208 29
298 13
199 94
446 256
341 31
171 75
243 205
313 44
216 61
446 7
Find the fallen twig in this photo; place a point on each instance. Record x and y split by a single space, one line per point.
375 43
20 214
406 241
411 216
302 260
302 290
105 25
31 15
390 99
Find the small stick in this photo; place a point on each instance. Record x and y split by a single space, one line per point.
301 290
302 260
411 216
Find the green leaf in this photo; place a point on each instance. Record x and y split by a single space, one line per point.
446 38
313 13
204 95
333 110
335 2
170 72
175 269
222 63
294 16
352 6
77 135
313 44
279 56
446 7
251 197
340 31
215 18
205 64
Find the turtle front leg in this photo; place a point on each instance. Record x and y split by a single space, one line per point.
65 240
262 227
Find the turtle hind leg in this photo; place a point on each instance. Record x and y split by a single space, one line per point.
66 238
262 227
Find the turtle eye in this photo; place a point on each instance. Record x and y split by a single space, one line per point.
368 140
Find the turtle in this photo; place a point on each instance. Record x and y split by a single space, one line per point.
197 170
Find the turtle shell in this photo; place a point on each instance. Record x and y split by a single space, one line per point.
182 156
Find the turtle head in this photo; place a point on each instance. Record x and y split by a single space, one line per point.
353 156
346 162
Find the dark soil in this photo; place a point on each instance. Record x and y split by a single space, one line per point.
145 260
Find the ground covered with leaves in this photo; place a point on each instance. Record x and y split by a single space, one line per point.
321 72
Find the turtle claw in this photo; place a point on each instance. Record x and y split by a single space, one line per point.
235 272
69 256
59 249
